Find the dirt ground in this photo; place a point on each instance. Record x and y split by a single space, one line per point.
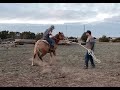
66 71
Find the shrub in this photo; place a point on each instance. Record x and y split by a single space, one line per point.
104 39
116 40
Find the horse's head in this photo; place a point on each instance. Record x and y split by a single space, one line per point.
61 36
58 37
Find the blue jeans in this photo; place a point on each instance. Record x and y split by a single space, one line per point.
51 41
87 58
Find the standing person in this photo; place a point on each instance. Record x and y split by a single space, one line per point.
90 43
47 34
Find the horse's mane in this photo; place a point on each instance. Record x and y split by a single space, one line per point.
56 38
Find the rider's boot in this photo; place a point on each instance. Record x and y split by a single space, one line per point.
51 48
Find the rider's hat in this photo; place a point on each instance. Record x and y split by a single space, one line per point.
52 26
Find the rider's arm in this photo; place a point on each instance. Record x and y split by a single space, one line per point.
50 33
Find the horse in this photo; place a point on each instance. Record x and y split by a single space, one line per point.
42 47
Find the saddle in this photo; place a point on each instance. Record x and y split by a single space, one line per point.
45 41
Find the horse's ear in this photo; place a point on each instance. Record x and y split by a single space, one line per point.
59 32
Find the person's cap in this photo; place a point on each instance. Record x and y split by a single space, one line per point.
88 31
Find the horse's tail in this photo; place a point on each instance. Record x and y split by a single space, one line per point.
37 51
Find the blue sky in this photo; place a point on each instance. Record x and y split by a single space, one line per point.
101 18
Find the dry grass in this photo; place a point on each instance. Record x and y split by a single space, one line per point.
67 71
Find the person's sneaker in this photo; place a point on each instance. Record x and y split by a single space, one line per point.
93 66
85 67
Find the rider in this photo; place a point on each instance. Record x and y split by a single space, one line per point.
47 34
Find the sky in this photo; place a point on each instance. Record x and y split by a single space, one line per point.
97 16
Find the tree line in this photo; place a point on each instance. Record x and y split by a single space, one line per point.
17 35
31 35
104 38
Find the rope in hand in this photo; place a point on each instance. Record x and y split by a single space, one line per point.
90 52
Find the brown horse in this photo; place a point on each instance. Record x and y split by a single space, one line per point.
42 47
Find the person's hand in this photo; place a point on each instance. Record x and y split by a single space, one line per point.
89 51
51 36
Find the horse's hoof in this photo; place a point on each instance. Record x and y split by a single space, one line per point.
32 65
50 64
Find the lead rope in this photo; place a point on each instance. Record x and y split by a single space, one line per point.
90 52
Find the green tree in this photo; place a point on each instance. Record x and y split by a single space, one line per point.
84 37
12 34
32 35
17 35
4 34
39 36
27 35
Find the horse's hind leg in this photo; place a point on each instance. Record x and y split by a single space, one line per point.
33 59
40 56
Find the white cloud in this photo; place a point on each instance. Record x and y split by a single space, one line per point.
57 13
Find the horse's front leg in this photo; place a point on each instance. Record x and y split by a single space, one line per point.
43 63
54 52
50 54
